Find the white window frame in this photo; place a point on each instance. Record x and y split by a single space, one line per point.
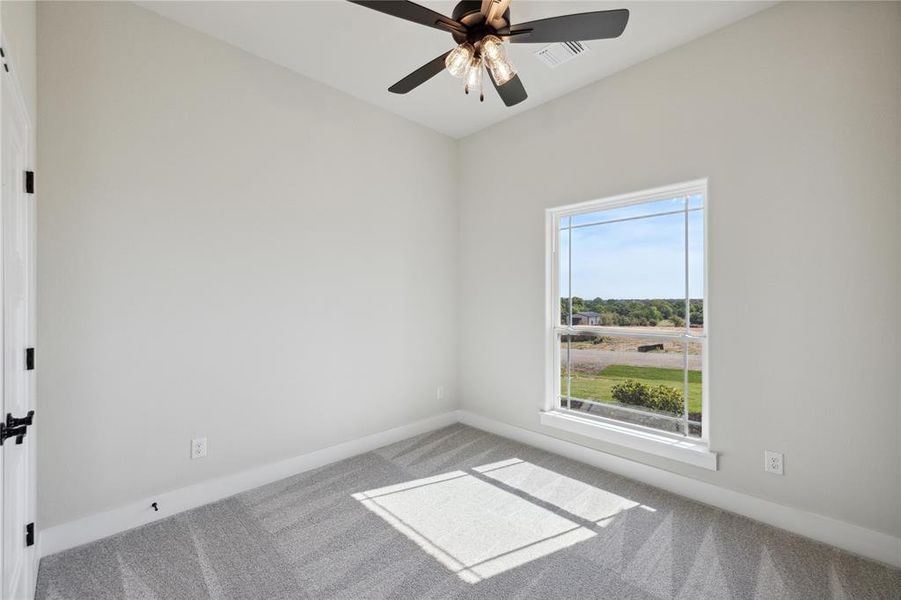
678 447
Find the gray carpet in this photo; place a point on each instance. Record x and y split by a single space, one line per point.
459 513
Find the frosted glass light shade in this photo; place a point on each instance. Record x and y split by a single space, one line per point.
473 78
457 62
492 48
502 71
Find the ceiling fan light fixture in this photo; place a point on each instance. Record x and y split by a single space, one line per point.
492 48
457 62
502 71
481 28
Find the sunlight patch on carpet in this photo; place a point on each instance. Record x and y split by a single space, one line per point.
472 527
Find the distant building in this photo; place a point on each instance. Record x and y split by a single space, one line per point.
586 318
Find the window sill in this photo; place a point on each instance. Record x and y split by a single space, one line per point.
691 452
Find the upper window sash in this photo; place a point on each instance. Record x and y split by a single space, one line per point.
685 190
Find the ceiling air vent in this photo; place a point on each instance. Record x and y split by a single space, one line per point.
555 55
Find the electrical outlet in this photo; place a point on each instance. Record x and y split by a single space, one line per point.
772 462
198 448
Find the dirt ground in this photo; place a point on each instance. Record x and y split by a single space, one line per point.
598 359
616 350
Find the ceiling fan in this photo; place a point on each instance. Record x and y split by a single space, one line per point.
480 28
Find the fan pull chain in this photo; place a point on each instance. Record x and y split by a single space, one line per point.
481 89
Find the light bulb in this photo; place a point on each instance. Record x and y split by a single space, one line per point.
502 71
492 48
473 78
458 60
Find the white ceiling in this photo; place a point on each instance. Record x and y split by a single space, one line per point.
361 52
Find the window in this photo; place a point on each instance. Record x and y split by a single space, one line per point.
627 319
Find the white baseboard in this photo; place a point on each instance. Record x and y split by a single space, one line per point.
101 525
852 538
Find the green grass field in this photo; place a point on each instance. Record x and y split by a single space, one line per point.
597 385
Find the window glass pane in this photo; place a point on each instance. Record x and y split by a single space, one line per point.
696 270
634 210
638 380
638 269
630 274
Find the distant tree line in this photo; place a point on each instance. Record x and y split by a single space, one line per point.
636 312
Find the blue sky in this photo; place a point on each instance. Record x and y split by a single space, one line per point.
643 258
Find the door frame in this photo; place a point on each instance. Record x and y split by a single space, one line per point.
11 90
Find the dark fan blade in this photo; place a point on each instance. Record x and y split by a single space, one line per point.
572 28
412 12
420 75
512 92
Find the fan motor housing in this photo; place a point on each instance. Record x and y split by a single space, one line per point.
469 12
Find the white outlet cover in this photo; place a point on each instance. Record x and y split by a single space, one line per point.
773 462
198 448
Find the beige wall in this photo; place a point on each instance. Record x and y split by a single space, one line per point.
17 19
794 114
207 220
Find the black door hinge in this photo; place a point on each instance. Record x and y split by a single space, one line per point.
15 427
29 534
29 182
29 359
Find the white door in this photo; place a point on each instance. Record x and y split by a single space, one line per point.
16 248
